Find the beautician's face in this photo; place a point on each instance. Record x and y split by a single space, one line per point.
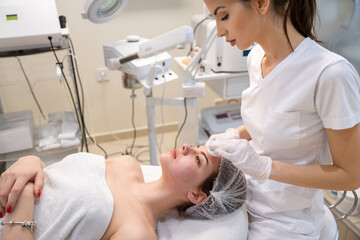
236 20
189 166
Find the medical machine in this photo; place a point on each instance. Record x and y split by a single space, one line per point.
26 26
135 56
145 61
338 28
219 118
137 70
177 38
222 56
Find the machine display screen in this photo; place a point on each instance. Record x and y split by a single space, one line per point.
221 116
12 17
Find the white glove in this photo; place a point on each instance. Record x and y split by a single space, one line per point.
230 133
243 155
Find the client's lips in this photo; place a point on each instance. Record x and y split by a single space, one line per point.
174 153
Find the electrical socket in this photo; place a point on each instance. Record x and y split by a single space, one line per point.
102 74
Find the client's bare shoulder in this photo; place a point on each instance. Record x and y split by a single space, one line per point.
124 164
133 232
123 175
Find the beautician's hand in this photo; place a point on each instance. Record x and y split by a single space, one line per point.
243 155
230 133
12 181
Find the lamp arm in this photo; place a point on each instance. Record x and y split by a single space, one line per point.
192 67
177 38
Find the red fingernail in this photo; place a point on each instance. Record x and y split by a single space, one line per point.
1 214
8 209
39 193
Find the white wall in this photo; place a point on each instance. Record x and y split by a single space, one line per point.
108 105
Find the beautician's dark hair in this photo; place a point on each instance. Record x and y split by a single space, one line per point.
302 14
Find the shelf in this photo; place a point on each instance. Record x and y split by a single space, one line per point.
226 85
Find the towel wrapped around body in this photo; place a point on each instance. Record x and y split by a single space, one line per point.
74 188
69 206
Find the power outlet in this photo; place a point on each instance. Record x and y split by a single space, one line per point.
102 74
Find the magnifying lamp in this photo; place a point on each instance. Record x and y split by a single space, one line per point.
100 11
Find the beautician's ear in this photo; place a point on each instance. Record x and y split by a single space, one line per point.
263 6
197 198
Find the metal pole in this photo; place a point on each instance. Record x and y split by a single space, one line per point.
150 113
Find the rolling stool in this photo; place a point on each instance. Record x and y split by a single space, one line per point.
330 229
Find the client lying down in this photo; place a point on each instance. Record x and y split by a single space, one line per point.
86 197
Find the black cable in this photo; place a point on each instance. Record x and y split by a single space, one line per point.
115 153
138 155
78 74
31 90
182 123
83 98
82 102
195 28
67 84
135 146
82 118
133 119
106 155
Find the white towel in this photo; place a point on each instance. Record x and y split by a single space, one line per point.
73 191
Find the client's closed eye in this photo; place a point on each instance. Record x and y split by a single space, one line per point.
197 158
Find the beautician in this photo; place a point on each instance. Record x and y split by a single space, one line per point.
301 116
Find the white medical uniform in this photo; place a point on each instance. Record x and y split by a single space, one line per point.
286 113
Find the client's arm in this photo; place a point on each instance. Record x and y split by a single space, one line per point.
22 213
12 181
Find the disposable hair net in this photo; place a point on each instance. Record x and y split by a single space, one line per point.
227 195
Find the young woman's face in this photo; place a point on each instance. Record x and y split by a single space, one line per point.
189 166
236 20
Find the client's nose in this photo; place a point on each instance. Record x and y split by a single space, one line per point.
185 149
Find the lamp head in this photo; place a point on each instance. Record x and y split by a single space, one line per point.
100 11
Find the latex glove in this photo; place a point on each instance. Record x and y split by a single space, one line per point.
13 180
230 133
243 155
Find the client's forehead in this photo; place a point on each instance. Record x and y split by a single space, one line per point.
214 161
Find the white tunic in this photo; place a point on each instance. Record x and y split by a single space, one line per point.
286 114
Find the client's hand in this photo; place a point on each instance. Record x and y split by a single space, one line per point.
243 155
230 133
12 181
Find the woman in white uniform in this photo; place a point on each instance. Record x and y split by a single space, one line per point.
301 116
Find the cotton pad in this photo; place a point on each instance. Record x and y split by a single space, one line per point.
211 152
